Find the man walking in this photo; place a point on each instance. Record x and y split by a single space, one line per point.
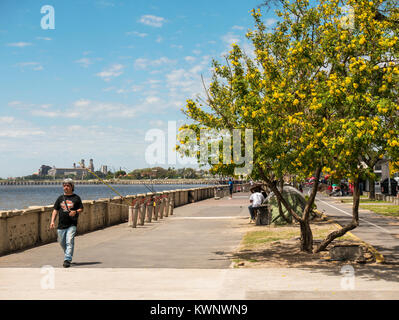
68 207
231 186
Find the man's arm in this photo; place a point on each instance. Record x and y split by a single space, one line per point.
72 213
53 216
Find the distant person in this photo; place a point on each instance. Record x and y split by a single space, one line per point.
256 200
231 188
68 207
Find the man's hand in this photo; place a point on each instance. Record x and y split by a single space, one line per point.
72 213
52 226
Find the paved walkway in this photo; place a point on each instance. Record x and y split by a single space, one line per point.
380 231
184 256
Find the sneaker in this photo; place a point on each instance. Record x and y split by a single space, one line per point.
67 264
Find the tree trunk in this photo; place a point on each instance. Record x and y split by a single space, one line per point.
354 223
306 231
306 237
372 189
280 208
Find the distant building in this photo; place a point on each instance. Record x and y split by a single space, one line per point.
104 169
43 171
381 169
78 172
91 165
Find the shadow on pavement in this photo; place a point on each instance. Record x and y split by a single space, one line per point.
283 255
84 263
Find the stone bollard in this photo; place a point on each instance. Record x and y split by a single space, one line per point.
141 200
171 202
133 213
177 198
130 217
160 205
150 206
126 201
157 207
165 203
191 195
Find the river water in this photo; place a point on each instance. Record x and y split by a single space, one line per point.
20 197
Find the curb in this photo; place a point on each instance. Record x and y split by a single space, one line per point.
379 258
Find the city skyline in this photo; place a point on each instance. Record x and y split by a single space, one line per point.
105 75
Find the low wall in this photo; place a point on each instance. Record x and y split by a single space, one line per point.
383 197
22 229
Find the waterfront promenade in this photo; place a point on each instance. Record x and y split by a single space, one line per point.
184 256
112 181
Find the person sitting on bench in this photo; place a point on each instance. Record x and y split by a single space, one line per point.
256 200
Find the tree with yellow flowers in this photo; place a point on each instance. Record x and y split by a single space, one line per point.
320 96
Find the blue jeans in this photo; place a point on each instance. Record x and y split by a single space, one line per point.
66 238
252 211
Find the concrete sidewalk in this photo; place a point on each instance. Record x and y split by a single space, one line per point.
184 256
195 284
380 231
197 235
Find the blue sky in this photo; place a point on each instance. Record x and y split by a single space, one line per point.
109 72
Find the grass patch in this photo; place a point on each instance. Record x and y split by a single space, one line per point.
253 239
364 200
390 211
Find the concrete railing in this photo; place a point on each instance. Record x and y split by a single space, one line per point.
111 181
21 229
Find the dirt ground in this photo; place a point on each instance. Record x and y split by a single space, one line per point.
279 246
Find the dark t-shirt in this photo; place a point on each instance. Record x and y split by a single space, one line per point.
74 203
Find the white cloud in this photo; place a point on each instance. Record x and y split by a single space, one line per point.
15 103
19 44
237 28
190 59
14 128
157 123
230 38
20 104
47 114
152 21
269 22
82 103
142 63
152 100
113 71
87 109
84 62
196 69
44 38
138 34
7 120
35 66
